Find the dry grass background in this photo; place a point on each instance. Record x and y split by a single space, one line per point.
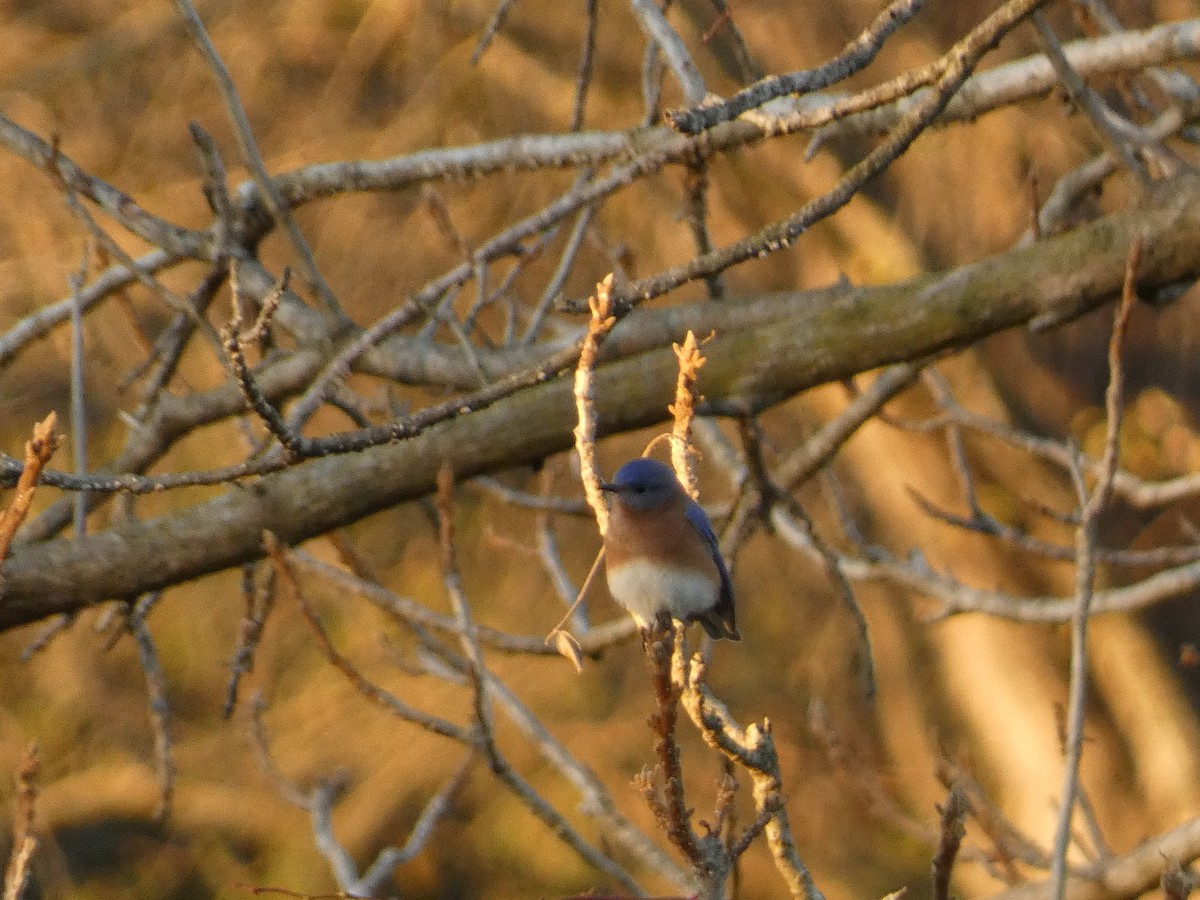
118 83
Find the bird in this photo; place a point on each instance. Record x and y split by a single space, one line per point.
661 554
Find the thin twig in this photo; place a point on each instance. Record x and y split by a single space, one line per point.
232 340
1091 824
654 23
1087 100
244 134
553 290
583 73
25 841
552 562
1092 505
695 186
157 701
289 584
375 878
53 627
772 495
673 812
856 56
259 596
417 614
601 323
79 425
750 70
1177 883
38 450
1010 845
168 349
494 24
452 578
287 789
683 410
541 502
40 323
950 838
981 522
565 643
752 748
960 62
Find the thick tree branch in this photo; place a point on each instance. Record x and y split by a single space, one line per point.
765 352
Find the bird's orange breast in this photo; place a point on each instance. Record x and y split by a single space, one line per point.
661 535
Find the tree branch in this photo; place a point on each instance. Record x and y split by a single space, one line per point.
765 352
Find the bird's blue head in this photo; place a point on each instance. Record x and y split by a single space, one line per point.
644 484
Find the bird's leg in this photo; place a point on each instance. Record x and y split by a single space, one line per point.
661 629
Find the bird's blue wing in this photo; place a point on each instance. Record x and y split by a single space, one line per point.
718 622
699 519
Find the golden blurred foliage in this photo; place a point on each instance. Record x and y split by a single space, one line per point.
116 84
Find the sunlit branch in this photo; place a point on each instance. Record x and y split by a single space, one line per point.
858 54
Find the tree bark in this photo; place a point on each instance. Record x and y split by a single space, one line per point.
765 351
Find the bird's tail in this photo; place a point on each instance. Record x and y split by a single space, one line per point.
718 623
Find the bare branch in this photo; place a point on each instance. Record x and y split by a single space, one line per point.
1087 100
601 323
793 347
25 842
856 56
476 669
78 405
159 704
583 76
950 840
754 749
1123 877
1177 883
654 23
1011 82
40 323
960 61
287 788
287 581
38 451
671 811
1092 505
682 412
260 600
173 240
495 23
377 874
253 159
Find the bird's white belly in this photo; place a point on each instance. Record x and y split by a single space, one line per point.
646 588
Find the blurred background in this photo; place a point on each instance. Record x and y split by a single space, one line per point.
118 83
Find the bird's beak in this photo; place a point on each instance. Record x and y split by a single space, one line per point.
610 486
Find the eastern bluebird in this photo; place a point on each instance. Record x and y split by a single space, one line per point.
661 553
